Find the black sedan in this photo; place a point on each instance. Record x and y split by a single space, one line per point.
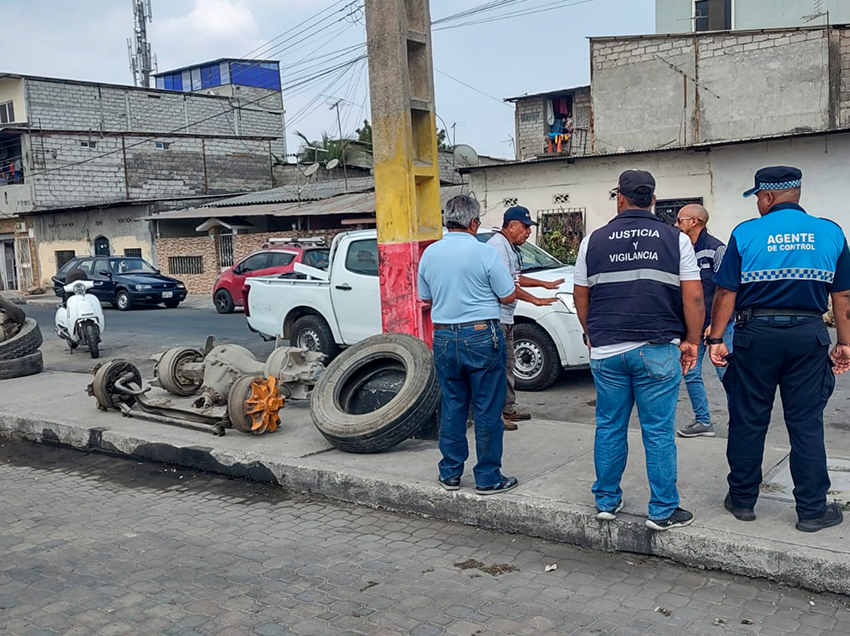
124 281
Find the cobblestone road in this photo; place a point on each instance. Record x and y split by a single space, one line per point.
96 545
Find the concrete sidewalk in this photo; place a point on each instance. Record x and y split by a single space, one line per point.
193 301
553 461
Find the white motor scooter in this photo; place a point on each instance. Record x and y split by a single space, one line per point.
81 322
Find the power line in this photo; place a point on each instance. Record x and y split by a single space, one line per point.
462 83
531 11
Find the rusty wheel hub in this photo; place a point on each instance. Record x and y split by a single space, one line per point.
263 405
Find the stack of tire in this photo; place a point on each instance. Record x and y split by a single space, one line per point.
20 339
353 410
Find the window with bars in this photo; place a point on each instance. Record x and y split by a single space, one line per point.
561 232
63 256
185 265
134 252
668 209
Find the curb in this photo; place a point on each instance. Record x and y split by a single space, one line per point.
816 569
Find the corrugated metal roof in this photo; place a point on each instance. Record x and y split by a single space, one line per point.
352 203
293 193
532 95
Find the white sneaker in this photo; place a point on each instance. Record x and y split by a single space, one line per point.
609 515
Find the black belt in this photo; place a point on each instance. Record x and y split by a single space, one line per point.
746 315
480 324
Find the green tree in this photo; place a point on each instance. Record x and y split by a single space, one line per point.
442 135
364 134
328 149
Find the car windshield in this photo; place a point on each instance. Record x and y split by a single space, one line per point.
131 265
534 259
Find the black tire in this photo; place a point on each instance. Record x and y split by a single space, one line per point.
313 333
538 364
356 430
25 342
172 304
122 300
223 302
15 313
21 367
91 334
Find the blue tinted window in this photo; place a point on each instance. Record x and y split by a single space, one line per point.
178 82
160 82
256 75
169 82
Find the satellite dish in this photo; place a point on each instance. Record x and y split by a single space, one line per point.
333 163
465 156
311 170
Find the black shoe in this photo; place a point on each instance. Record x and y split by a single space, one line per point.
832 517
609 515
679 519
452 483
741 514
507 483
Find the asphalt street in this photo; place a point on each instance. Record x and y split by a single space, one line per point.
138 334
100 546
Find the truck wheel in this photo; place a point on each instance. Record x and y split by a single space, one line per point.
376 394
25 342
15 313
538 364
311 332
21 367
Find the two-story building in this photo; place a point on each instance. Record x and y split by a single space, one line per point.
701 110
83 163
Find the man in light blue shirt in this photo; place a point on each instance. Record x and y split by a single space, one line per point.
465 282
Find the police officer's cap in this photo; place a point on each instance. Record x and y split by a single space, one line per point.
776 178
636 184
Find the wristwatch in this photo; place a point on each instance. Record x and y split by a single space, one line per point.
713 341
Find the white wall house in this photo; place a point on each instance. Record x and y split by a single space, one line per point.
716 174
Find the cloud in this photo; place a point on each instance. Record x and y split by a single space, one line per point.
211 29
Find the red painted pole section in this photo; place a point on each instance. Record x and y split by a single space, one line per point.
401 309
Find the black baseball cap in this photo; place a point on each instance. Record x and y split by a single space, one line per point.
636 184
776 178
519 213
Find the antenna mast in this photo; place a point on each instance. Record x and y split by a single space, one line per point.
139 49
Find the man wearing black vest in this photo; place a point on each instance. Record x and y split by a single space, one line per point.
693 221
639 298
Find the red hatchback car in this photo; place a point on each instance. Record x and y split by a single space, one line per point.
270 261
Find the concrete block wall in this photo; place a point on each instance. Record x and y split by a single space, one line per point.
530 127
736 73
189 167
844 86
58 105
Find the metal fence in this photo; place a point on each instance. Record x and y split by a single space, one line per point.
561 232
668 209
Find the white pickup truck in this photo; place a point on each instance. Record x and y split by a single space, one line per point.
327 310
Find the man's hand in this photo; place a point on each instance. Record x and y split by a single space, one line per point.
717 353
706 332
690 352
543 302
840 357
553 284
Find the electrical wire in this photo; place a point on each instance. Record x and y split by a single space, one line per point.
530 11
469 86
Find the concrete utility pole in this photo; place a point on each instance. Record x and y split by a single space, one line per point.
404 138
141 57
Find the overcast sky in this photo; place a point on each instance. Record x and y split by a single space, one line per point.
86 40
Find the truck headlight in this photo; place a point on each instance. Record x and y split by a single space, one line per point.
142 287
568 302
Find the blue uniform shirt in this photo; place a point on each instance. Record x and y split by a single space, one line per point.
464 278
786 260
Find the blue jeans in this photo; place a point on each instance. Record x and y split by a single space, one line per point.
695 384
471 369
649 376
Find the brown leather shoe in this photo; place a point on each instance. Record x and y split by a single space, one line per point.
516 416
510 426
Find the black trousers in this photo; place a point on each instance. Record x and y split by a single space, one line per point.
793 354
